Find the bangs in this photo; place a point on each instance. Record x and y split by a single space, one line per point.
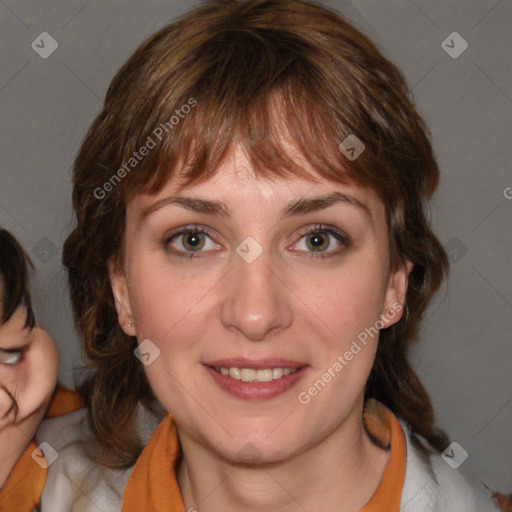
278 132
275 110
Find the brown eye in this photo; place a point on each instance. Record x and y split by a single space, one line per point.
190 242
317 241
322 241
193 241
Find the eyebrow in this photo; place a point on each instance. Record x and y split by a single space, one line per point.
298 207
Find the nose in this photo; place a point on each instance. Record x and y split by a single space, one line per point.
256 298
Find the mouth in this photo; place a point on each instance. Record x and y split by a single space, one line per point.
255 375
256 380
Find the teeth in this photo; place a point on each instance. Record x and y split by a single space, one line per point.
234 373
277 373
247 374
264 375
252 375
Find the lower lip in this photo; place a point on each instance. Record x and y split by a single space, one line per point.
256 390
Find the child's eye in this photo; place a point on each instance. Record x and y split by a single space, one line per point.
11 357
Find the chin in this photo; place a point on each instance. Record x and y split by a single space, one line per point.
257 449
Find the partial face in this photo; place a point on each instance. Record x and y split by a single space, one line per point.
274 281
28 370
14 338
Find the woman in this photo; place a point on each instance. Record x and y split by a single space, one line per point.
250 263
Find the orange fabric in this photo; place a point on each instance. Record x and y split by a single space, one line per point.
23 489
63 402
152 485
388 495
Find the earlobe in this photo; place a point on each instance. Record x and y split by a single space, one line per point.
394 303
119 288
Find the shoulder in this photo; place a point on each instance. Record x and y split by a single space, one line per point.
431 485
75 482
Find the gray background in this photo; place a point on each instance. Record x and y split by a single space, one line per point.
464 358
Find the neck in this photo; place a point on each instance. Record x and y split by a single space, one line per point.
341 473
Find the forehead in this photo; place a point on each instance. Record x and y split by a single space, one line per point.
15 323
237 184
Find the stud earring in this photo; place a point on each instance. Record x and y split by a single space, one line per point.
130 323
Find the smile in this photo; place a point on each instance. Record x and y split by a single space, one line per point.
255 383
252 375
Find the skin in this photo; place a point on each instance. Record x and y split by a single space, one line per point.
31 381
284 304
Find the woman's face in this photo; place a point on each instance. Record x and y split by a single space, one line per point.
252 289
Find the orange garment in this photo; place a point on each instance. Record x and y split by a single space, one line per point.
385 427
23 489
153 487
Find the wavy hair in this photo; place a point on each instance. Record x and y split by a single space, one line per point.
249 71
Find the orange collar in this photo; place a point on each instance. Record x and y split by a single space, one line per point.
152 485
382 424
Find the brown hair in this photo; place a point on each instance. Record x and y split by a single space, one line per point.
248 71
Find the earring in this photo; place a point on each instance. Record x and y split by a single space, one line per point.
130 323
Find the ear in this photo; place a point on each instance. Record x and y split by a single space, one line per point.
121 298
394 301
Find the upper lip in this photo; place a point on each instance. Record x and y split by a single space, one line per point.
256 364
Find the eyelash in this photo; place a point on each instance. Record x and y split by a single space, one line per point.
318 228
341 237
21 351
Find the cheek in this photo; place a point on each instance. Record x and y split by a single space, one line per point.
158 298
346 300
169 306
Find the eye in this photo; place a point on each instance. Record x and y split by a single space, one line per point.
190 241
317 239
9 356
